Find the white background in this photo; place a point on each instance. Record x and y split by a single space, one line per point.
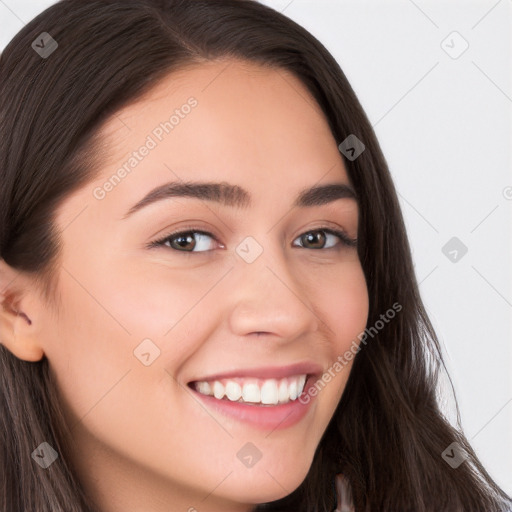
444 125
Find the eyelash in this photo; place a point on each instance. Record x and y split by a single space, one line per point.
345 239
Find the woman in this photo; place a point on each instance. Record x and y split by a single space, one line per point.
285 362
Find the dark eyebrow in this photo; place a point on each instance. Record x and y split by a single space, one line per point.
237 197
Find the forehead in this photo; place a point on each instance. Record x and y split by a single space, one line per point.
226 120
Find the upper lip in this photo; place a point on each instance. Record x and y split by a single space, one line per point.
268 372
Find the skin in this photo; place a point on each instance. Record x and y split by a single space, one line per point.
141 441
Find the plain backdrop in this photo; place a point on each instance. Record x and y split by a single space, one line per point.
435 81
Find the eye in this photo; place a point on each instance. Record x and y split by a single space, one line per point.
184 241
318 237
188 241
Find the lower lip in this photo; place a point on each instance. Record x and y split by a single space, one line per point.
266 417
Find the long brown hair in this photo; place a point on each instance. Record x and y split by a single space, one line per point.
388 434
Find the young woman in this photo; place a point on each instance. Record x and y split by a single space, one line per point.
208 298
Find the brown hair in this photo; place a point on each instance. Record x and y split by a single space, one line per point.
388 433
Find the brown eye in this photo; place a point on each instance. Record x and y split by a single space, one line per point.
182 241
189 241
317 238
185 241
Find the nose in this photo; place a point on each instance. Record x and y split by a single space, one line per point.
265 296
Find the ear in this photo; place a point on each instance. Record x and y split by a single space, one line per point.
19 306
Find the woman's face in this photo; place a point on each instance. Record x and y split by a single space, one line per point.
255 286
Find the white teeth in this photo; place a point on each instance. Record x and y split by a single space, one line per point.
233 391
251 392
292 389
204 388
283 391
218 390
267 392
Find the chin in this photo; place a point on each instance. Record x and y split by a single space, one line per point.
265 486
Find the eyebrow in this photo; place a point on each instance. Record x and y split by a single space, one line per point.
237 197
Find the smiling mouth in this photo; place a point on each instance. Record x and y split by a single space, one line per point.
254 391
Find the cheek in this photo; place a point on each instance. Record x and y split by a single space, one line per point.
109 311
343 303
91 346
152 298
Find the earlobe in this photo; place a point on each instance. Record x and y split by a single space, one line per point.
16 335
17 328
